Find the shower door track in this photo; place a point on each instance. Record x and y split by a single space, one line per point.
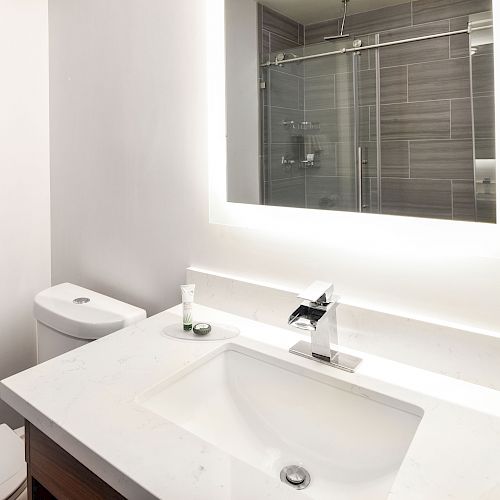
345 50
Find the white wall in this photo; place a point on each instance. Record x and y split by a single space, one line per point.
130 181
24 180
127 144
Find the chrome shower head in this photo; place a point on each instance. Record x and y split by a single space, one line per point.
336 37
342 35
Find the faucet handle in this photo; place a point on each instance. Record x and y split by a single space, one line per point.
319 292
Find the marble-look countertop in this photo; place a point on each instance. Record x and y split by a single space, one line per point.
85 401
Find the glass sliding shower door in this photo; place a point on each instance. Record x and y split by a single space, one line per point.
365 138
319 129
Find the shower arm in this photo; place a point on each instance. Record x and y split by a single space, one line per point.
343 19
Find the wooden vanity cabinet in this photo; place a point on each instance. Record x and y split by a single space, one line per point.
55 474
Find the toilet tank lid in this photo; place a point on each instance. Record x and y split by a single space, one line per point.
82 313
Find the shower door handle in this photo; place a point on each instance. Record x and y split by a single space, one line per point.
359 179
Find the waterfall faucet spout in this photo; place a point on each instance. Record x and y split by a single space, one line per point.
318 315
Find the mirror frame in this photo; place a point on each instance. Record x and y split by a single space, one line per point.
340 229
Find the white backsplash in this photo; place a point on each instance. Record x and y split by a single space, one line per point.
461 354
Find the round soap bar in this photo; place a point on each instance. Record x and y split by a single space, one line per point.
202 329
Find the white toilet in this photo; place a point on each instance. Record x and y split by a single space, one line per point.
67 316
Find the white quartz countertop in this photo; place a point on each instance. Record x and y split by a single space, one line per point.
86 402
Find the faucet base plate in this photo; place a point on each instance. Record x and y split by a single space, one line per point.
338 360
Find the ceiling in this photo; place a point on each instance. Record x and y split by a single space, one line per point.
313 11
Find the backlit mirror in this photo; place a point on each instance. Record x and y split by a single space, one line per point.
382 106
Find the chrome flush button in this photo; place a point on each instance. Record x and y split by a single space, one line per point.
81 300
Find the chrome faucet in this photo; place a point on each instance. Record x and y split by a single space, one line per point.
318 315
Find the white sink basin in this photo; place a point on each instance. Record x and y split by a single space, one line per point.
271 413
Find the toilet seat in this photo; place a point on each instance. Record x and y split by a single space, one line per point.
12 464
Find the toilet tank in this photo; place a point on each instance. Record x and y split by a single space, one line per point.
69 316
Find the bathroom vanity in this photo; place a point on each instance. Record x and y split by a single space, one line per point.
140 415
53 472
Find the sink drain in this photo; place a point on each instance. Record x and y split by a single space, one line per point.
295 476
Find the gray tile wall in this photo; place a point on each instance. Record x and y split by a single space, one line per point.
432 121
425 115
426 105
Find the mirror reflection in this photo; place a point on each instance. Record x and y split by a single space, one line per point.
363 106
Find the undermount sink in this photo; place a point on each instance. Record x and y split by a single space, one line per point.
272 413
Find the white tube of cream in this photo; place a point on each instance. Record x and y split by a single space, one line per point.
187 306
